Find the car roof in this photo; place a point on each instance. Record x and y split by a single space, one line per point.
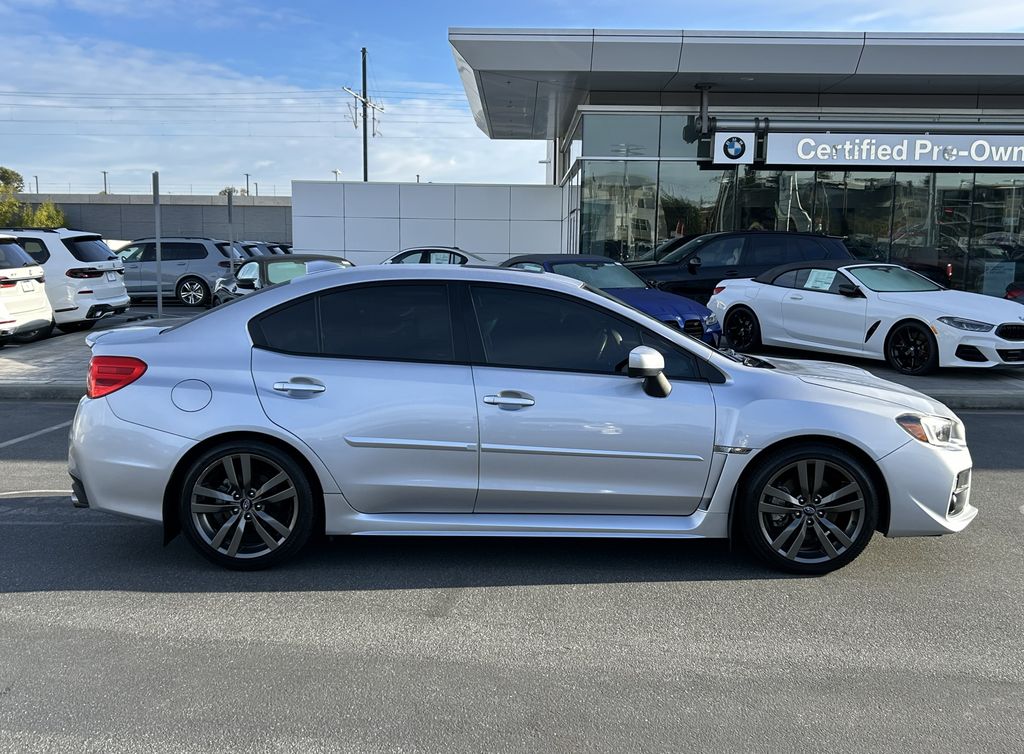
541 258
818 264
145 239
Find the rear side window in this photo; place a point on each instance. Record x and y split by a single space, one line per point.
291 328
12 255
35 249
788 279
390 322
89 249
766 251
811 249
228 251
178 251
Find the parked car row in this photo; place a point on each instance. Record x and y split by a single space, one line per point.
81 279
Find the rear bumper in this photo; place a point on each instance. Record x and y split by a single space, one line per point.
91 308
121 467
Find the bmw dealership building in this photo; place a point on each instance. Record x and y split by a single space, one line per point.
911 146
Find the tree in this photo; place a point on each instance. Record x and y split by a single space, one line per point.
46 215
11 181
231 190
11 210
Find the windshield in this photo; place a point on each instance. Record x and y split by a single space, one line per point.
685 249
12 255
89 249
886 278
599 274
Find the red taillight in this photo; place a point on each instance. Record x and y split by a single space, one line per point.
7 283
80 273
949 271
110 373
719 289
1014 293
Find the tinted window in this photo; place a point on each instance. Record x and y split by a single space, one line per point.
176 251
35 249
767 250
229 251
812 249
414 258
531 266
12 255
679 365
406 322
149 253
131 253
89 250
787 279
285 270
291 328
724 252
441 257
522 328
599 274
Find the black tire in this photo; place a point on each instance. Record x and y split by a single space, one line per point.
33 335
212 523
70 327
192 291
773 525
741 329
910 348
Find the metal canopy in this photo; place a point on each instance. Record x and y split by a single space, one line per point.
527 83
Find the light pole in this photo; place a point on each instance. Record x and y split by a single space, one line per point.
247 184
257 184
37 183
104 181
337 172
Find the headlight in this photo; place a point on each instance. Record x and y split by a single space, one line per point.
966 324
711 320
934 430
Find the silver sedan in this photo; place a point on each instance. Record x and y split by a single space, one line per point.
398 400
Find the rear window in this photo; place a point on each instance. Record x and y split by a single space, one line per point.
89 249
12 255
229 251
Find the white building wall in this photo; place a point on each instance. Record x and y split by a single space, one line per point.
368 222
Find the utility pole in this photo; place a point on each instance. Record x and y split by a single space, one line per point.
159 247
337 172
364 100
104 181
247 184
257 183
37 183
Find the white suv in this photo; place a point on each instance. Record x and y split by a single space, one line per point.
25 313
84 278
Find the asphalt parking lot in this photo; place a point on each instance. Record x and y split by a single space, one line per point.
111 641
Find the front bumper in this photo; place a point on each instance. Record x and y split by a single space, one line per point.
959 348
929 490
121 467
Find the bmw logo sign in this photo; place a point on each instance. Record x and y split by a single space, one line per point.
734 147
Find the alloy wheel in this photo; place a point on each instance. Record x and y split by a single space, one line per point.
739 329
811 511
192 292
910 349
244 505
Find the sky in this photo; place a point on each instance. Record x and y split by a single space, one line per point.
206 91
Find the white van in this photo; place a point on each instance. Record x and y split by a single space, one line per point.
84 278
25 312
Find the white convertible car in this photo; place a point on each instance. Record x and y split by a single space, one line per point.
876 311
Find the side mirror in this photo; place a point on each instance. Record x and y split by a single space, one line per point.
653 283
849 290
248 284
693 264
649 364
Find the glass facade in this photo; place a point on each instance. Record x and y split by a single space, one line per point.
636 183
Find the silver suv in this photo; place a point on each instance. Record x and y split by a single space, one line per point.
189 267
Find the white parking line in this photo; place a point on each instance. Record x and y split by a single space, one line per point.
16 440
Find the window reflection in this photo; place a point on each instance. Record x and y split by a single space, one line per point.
692 201
619 208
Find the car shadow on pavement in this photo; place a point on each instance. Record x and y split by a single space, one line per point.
46 548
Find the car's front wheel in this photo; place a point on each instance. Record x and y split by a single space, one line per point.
246 506
808 509
742 329
911 349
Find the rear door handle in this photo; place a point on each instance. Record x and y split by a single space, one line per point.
299 388
796 297
510 400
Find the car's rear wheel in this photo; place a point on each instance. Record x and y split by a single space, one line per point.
193 292
33 335
82 326
808 509
246 506
911 349
742 329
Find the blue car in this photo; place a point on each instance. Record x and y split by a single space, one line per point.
611 277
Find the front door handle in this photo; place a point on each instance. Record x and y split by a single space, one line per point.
731 273
510 400
796 297
299 388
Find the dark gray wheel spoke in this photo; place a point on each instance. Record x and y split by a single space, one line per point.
270 484
215 494
210 507
229 469
278 497
223 531
826 543
786 533
245 460
852 505
236 538
781 495
836 532
280 528
798 541
772 508
264 534
840 493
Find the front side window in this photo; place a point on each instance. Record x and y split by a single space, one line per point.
533 330
35 249
89 249
724 252
131 253
892 279
766 251
392 322
599 274
826 281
